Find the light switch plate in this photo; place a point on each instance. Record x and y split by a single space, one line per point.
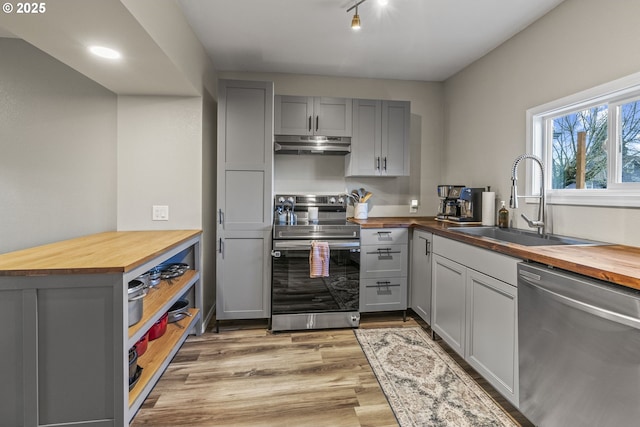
413 207
160 213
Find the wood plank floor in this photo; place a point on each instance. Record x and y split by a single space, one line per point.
246 376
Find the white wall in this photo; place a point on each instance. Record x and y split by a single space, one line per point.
391 195
578 45
57 150
159 161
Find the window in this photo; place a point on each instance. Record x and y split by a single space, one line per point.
590 144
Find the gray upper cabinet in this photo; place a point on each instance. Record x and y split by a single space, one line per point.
245 180
308 115
380 142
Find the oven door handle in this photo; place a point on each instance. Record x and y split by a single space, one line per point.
305 245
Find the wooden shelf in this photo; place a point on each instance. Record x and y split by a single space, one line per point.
158 355
158 301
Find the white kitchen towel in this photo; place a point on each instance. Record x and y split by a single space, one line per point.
319 259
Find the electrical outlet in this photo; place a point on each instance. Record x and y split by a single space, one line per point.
413 207
160 213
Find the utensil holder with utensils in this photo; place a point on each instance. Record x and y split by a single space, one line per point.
361 211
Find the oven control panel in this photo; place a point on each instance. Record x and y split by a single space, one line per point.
337 202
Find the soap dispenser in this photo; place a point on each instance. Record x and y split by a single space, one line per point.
503 216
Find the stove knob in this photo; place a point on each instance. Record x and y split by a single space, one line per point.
332 200
280 199
290 199
341 200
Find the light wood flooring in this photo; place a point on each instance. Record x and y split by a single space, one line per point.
246 376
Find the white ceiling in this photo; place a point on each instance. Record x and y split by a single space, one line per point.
428 40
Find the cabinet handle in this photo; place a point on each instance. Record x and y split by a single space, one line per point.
377 163
317 123
427 245
385 164
221 247
221 216
309 123
385 284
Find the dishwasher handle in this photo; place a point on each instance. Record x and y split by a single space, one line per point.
583 306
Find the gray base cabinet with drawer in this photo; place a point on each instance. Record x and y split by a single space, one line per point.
474 310
383 269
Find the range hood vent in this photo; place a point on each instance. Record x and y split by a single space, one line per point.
288 144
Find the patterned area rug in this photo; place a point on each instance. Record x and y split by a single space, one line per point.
423 384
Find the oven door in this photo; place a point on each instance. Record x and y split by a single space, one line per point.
301 302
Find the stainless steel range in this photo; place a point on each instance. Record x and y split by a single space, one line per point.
300 301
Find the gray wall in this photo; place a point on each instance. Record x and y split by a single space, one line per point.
209 161
58 150
159 152
578 45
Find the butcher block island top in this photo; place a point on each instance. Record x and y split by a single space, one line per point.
617 264
108 252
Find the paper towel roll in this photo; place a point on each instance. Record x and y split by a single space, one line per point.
488 208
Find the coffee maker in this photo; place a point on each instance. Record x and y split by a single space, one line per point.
448 205
468 205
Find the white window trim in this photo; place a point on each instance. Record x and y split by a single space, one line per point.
617 195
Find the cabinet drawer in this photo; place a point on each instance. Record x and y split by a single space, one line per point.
383 294
377 236
383 261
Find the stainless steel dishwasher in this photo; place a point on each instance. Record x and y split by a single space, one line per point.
579 349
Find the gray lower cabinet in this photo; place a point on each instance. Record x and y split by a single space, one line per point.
383 269
491 335
449 302
420 284
474 310
244 199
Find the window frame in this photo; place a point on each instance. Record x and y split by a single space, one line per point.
539 137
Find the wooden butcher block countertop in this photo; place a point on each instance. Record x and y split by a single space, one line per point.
109 252
618 264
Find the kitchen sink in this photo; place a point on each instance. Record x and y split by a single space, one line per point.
521 237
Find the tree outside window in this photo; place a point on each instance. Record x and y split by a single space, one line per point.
594 123
630 144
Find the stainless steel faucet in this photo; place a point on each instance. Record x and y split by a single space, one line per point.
513 201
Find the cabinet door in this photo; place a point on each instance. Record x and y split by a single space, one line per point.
364 159
420 288
332 116
491 332
244 281
396 117
449 292
293 115
245 213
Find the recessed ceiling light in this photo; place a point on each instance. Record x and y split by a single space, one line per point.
104 52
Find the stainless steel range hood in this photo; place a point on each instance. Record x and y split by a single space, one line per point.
288 144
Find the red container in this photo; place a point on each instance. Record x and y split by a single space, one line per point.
141 345
159 328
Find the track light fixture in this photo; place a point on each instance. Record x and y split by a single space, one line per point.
355 21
